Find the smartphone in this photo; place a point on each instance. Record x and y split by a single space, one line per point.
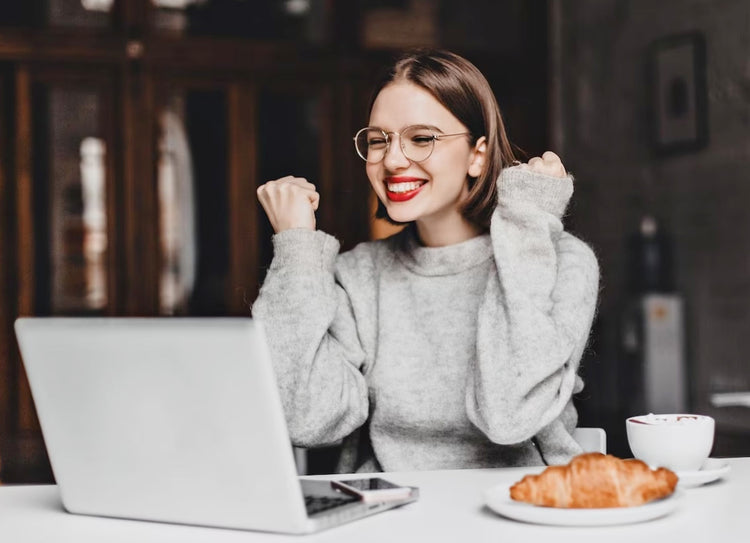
373 489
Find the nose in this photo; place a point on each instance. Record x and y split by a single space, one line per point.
394 156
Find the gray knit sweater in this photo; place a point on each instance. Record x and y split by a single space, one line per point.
419 357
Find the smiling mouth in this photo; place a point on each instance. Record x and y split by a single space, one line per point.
402 189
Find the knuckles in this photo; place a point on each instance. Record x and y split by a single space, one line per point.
549 164
286 188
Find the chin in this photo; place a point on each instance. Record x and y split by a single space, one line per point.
401 215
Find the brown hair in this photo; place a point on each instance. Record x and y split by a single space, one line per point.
462 89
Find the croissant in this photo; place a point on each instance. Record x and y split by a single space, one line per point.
595 480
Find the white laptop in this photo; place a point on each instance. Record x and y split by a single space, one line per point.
175 420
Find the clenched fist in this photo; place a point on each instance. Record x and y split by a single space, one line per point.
289 202
549 164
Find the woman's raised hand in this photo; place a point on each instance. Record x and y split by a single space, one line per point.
289 202
548 164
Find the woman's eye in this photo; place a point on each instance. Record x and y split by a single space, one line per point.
421 140
376 142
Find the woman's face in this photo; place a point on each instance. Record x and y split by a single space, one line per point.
428 192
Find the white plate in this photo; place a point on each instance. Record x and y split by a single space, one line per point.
711 470
498 499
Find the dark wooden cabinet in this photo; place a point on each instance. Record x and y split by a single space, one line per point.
129 160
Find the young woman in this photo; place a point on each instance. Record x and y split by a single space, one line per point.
455 343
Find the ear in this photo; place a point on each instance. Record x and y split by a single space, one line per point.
478 157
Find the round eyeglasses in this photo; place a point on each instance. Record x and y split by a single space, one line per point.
417 142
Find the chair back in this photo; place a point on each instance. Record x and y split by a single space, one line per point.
591 439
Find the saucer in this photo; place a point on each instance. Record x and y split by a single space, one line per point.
711 470
498 499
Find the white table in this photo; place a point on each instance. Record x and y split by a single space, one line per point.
450 509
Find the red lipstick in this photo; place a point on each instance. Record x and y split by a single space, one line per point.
406 187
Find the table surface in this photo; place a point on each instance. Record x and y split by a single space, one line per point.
450 508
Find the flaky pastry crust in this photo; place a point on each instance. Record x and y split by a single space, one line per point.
593 480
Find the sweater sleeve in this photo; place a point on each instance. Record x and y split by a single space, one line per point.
313 339
537 312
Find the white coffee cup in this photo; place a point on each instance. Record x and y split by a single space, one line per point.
680 442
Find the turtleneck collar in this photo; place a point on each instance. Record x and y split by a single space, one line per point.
447 260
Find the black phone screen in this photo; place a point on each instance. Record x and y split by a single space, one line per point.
370 483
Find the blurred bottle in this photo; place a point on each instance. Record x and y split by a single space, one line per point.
650 259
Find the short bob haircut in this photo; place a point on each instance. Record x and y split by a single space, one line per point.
462 89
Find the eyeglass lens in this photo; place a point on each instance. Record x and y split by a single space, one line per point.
417 143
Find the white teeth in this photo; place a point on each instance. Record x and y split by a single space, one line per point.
404 187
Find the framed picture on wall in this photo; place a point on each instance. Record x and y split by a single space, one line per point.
678 93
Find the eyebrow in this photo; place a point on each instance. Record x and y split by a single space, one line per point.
428 126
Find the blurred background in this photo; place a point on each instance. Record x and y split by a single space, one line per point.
133 134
